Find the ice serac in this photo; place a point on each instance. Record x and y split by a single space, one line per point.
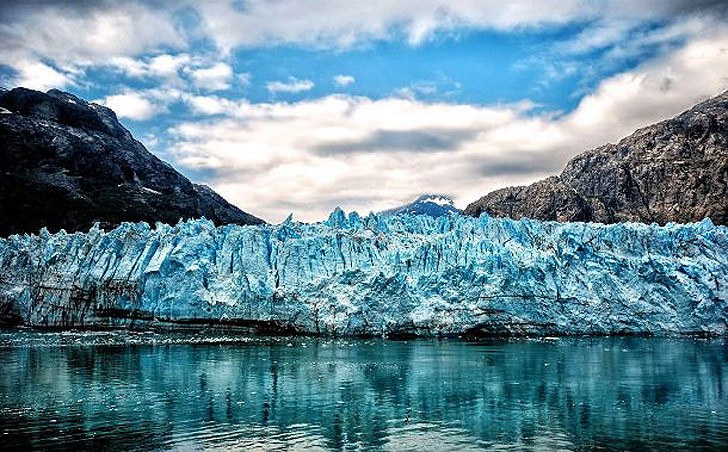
398 275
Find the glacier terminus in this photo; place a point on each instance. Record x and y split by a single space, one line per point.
401 275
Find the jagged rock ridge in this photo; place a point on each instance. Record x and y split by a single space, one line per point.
67 163
396 275
676 170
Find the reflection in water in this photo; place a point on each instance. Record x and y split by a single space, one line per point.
567 394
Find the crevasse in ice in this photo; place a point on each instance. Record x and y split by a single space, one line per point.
354 275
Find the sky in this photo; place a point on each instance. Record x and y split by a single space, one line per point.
287 106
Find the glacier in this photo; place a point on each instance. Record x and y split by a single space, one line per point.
401 275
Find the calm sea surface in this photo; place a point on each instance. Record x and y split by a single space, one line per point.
95 391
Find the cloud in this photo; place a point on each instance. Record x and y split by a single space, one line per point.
131 105
52 44
209 105
609 42
181 69
417 89
213 78
244 79
89 33
414 141
292 85
335 24
362 153
344 80
510 166
85 32
37 75
165 66
331 23
310 156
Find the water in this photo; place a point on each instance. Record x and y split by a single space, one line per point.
89 391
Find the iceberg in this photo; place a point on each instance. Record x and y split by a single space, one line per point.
374 275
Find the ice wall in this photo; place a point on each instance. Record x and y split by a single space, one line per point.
355 275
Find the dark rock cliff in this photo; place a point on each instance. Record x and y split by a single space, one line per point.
676 170
66 163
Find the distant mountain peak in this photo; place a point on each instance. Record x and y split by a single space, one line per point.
434 205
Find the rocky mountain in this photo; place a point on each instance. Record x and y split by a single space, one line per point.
676 170
428 204
66 163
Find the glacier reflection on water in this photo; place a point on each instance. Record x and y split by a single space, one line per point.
74 390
